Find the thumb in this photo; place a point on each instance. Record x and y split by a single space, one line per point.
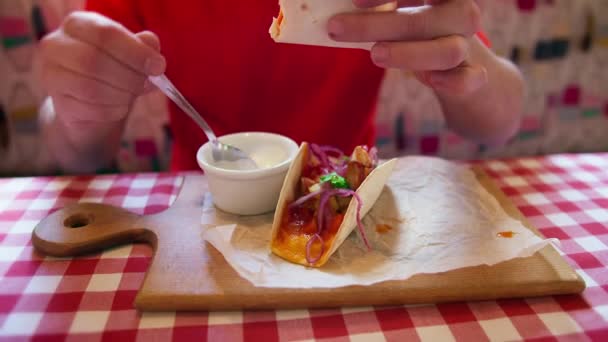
150 39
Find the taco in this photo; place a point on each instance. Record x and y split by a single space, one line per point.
305 22
325 194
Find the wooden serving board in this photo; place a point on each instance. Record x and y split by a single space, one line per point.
187 273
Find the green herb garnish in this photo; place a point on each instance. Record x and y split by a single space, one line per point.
336 181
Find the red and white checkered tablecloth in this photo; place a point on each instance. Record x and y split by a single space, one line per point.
91 298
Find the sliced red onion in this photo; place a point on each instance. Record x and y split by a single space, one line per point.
341 170
373 153
359 223
326 194
320 213
305 198
330 149
345 193
322 204
309 247
321 155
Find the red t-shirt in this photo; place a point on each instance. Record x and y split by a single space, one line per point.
221 57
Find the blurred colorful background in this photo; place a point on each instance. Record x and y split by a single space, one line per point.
560 45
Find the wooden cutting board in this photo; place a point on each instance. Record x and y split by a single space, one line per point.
186 273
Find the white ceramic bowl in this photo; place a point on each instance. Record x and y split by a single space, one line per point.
249 192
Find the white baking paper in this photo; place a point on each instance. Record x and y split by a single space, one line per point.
441 217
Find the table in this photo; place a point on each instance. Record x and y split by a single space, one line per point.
565 196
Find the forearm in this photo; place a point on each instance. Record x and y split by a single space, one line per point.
492 114
80 147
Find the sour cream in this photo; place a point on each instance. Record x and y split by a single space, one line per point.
268 155
264 154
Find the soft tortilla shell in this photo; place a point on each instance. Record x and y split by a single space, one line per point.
369 191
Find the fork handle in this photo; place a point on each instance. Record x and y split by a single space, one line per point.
166 86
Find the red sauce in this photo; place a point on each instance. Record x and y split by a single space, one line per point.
506 234
383 228
280 18
302 221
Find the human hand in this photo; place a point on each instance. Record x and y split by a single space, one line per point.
94 68
433 39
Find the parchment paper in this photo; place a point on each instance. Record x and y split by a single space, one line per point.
440 217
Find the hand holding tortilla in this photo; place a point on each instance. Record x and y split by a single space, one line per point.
434 39
324 197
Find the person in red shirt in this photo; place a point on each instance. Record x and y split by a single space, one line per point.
219 54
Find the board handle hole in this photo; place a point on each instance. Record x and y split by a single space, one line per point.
78 221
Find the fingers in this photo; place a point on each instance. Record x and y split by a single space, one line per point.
480 3
454 17
116 41
90 61
438 54
429 37
369 3
152 41
60 80
94 68
81 113
460 81
375 3
149 39
409 3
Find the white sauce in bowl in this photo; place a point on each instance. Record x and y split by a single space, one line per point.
264 155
